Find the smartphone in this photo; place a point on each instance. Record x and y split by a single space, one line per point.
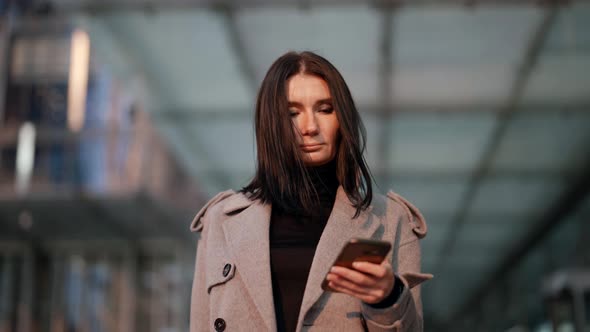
360 250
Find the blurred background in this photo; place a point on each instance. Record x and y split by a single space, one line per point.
119 119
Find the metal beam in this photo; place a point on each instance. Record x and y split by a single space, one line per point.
10 210
169 224
505 114
458 176
95 211
241 114
99 6
438 177
239 48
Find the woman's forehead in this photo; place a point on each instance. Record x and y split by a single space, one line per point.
302 87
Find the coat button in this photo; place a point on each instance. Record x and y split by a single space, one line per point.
226 269
219 325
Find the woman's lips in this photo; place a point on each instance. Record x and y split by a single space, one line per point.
311 147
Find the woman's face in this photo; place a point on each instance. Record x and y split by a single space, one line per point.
314 117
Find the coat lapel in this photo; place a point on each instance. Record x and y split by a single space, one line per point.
246 232
247 235
339 229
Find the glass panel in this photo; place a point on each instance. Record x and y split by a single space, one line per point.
457 55
203 74
527 197
352 32
437 144
565 56
527 146
460 35
210 140
432 196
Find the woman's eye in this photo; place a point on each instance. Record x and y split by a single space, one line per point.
293 112
326 109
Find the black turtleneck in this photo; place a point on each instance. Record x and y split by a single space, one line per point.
293 240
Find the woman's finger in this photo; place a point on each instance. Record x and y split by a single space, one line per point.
353 276
361 296
344 283
375 270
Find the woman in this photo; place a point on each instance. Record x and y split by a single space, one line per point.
264 251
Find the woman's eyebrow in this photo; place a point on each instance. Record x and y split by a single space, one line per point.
319 102
324 101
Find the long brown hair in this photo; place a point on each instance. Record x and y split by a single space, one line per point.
281 177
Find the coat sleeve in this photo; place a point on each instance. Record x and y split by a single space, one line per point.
406 313
199 313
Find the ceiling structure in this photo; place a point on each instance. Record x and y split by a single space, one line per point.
477 112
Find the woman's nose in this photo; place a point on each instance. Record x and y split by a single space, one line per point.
308 125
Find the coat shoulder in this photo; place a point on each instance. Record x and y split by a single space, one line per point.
411 212
197 223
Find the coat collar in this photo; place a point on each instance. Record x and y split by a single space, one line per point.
247 234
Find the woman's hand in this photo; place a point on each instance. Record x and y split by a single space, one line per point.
371 283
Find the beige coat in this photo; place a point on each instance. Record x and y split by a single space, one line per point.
232 284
